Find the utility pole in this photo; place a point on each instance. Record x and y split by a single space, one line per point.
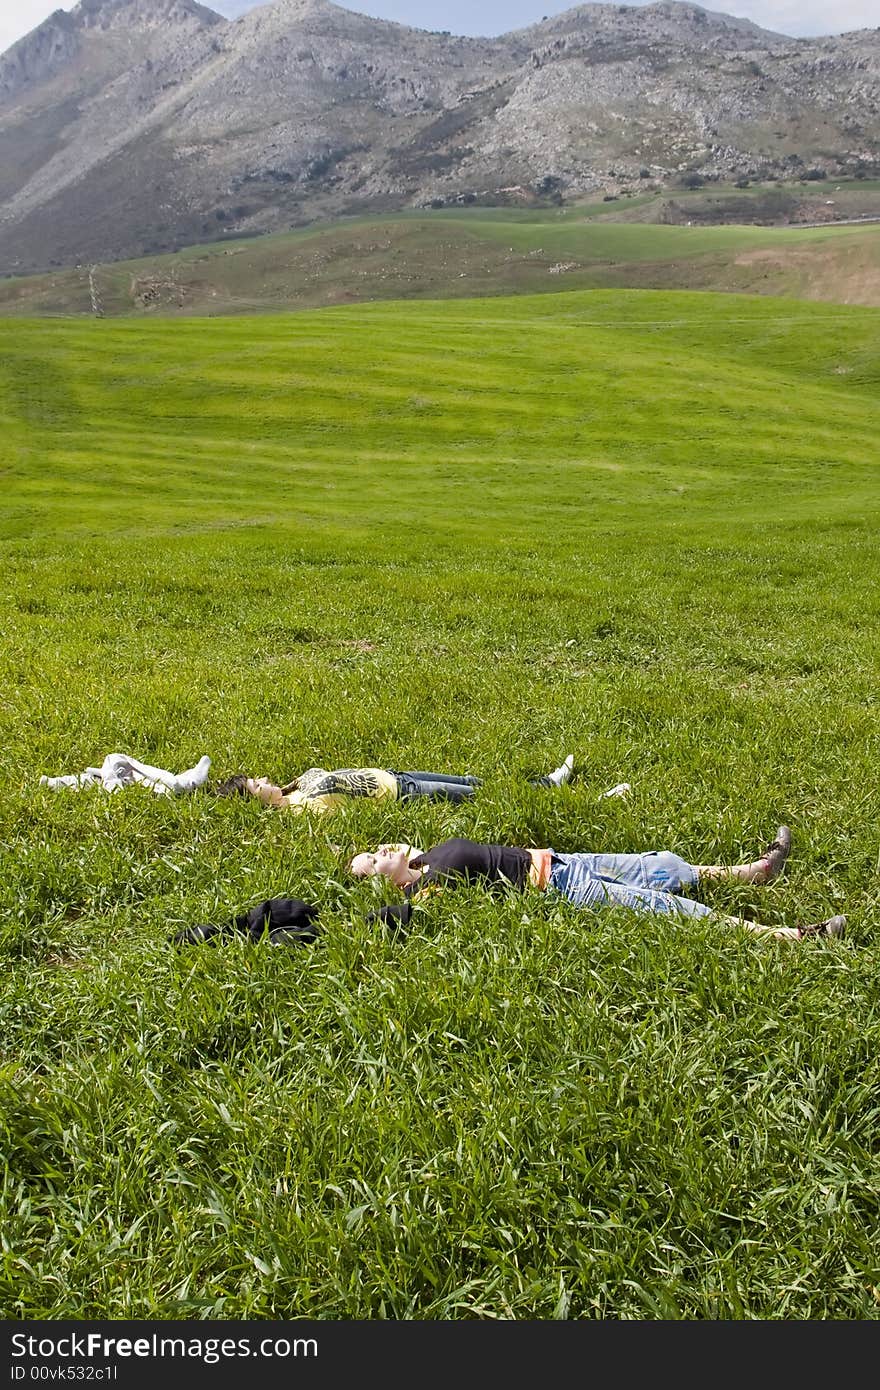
97 306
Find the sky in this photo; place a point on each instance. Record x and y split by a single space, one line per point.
796 17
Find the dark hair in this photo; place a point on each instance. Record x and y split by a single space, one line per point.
233 786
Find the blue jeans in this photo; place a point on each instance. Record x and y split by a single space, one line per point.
439 786
642 882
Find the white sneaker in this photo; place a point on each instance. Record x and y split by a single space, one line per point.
563 773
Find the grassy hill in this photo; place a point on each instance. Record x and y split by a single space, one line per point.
647 242
468 536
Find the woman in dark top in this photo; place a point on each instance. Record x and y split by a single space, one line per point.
647 882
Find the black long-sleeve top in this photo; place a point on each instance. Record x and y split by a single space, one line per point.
463 859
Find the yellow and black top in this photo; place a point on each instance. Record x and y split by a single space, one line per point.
320 790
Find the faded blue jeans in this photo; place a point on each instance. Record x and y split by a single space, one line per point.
648 882
439 786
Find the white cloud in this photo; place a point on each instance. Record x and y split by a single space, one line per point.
806 17
799 17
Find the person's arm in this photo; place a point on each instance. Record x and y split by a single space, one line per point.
122 767
399 915
393 915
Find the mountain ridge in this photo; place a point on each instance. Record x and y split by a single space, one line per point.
134 126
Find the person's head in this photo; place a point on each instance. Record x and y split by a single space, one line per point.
233 786
388 861
260 787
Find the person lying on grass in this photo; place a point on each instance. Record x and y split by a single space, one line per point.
120 770
316 789
320 790
648 882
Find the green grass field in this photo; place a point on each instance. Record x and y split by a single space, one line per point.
463 254
468 536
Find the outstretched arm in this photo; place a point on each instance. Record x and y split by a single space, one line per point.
394 915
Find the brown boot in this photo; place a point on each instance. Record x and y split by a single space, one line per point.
776 854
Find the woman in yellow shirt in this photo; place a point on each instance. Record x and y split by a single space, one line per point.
320 790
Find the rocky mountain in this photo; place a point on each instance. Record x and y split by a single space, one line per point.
133 126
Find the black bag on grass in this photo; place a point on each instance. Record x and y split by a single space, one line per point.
282 921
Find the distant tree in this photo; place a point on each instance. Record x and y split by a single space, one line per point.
692 180
813 175
550 186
